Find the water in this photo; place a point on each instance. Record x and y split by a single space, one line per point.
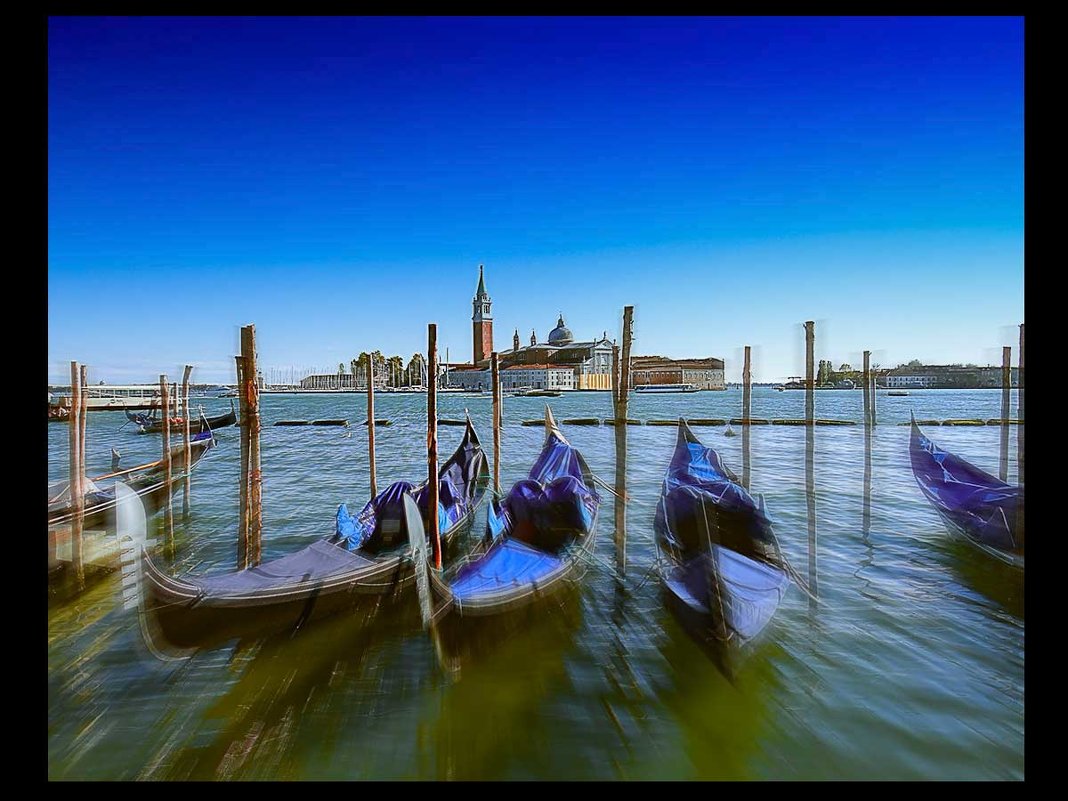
910 667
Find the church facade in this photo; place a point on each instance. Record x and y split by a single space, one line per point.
541 365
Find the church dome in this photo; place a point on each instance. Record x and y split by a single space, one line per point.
561 335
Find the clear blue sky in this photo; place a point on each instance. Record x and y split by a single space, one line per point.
337 182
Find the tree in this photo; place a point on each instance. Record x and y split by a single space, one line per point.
396 366
353 367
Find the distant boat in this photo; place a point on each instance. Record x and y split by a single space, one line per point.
658 388
537 393
897 393
151 425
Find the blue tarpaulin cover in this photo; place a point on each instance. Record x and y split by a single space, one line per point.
718 538
380 523
980 505
506 564
540 516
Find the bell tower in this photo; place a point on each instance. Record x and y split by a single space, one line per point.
482 321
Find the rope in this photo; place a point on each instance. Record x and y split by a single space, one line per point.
602 483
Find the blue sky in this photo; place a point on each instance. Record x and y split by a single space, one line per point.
338 181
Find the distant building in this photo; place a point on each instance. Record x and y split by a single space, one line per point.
702 373
916 381
589 361
945 376
481 321
538 376
467 376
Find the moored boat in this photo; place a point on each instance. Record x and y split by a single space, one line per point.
367 554
151 425
724 573
976 506
538 537
146 480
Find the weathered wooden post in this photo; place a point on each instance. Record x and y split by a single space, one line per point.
165 433
810 456
243 508
624 367
747 400
621 442
83 419
615 383
867 388
874 395
370 420
495 377
1020 441
77 491
255 479
187 456
432 444
1006 393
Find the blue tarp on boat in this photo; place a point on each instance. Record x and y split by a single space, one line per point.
507 564
720 542
980 505
750 590
380 524
532 527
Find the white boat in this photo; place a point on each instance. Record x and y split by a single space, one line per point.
658 388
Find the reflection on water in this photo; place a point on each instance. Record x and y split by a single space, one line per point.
913 667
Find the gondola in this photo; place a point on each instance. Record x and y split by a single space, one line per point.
146 480
538 537
974 505
150 425
367 554
722 570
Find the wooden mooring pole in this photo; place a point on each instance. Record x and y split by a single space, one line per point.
242 525
77 491
251 389
432 443
624 366
495 377
810 456
867 388
1020 441
1006 394
370 422
187 456
747 401
622 396
83 419
165 434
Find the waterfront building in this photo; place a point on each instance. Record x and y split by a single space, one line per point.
538 376
701 373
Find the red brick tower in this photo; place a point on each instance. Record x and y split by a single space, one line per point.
482 321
